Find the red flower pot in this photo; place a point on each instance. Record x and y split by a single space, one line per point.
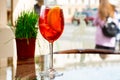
25 48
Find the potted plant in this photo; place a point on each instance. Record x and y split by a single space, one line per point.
25 33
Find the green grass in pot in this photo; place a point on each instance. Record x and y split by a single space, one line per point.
26 25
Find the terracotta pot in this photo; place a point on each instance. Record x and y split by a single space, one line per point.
25 48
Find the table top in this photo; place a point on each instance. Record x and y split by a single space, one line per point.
30 69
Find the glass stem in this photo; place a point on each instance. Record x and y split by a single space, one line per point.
51 55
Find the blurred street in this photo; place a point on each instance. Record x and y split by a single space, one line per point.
76 36
93 68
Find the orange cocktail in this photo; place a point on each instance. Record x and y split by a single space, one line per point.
51 23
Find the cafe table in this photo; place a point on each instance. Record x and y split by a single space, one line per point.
30 69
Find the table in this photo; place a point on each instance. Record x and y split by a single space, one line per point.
30 69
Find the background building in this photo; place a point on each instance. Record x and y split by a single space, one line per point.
70 6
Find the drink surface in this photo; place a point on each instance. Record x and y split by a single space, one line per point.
51 23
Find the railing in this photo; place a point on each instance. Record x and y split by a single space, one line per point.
88 51
76 57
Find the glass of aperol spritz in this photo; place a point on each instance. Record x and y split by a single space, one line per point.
51 25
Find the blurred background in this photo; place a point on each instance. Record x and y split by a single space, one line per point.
79 33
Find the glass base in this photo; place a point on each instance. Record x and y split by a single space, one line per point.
51 73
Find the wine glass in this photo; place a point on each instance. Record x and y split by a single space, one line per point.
51 25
